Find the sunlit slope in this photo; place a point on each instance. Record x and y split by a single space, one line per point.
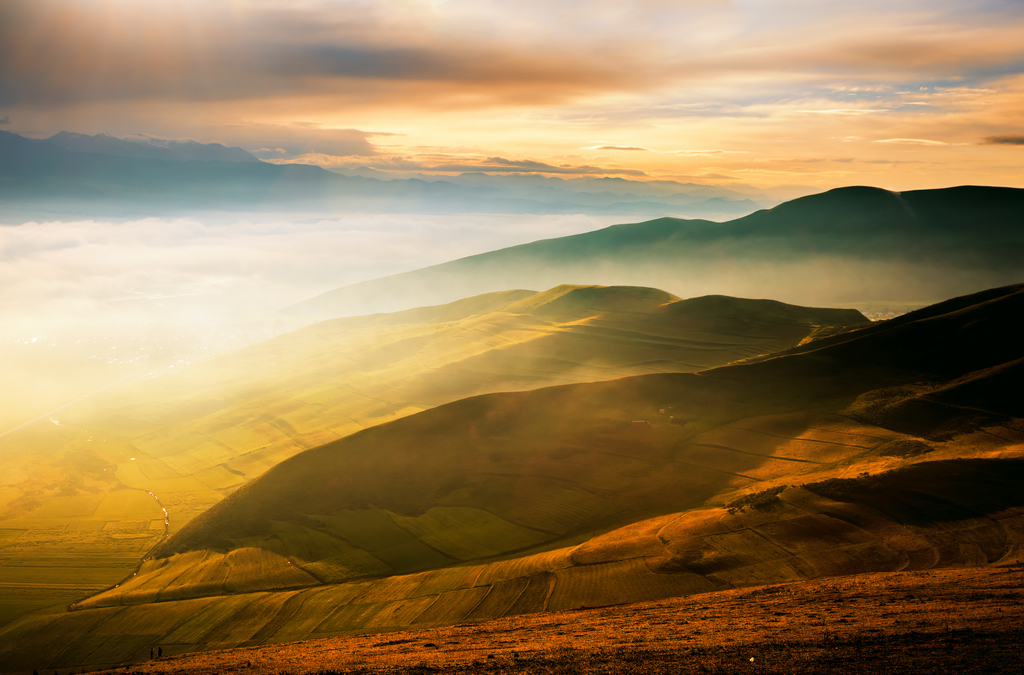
228 420
498 474
846 245
753 474
950 513
79 487
48 381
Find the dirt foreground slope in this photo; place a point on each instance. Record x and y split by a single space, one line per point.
937 621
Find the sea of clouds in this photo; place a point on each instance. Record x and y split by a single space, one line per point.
219 272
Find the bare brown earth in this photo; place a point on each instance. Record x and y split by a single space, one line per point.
936 621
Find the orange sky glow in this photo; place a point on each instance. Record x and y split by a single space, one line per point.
901 94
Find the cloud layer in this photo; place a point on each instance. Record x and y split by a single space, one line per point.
398 81
1010 139
232 268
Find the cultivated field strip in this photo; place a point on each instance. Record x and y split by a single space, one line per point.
555 489
802 535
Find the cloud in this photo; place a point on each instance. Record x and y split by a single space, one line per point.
6 119
58 52
110 51
841 111
911 141
619 147
443 163
1009 139
299 139
83 273
710 152
530 166
532 78
502 165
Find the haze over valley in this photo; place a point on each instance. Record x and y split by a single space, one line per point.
488 337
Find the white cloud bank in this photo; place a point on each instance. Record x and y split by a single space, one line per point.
218 273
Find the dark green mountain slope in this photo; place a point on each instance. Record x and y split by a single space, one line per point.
846 245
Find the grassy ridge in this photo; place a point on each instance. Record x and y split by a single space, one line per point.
848 244
803 536
641 488
80 487
568 461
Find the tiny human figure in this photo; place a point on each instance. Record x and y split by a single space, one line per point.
150 653
160 652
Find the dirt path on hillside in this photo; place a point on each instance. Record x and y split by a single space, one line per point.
76 605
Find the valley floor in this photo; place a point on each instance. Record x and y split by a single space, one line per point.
935 621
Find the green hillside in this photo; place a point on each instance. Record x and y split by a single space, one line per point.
811 463
576 460
793 467
848 245
83 499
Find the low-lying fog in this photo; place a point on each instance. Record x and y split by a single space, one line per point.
84 304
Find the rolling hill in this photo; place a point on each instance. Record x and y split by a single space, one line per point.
803 465
84 498
504 453
855 244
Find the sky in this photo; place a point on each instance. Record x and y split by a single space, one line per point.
901 94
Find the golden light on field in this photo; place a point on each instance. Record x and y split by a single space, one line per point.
333 317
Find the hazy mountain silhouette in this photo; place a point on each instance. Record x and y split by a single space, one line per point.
149 148
101 175
846 245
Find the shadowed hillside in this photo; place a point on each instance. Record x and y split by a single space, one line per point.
845 245
782 469
468 454
89 495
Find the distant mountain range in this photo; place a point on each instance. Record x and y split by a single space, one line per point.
849 245
145 147
78 174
